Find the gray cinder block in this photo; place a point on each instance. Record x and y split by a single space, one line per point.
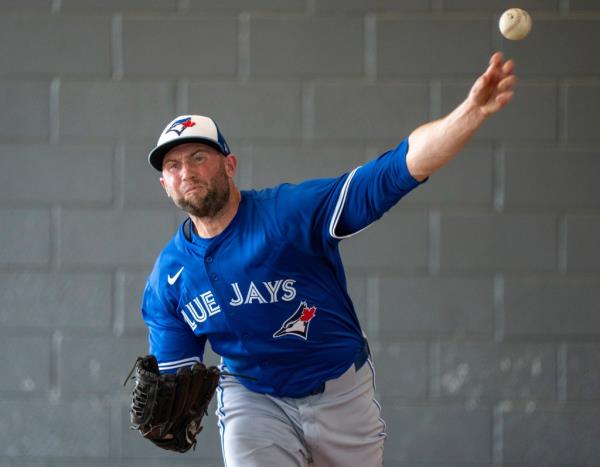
356 111
335 6
398 240
98 364
25 236
52 45
180 46
433 434
305 47
583 112
261 110
583 248
552 436
583 372
51 300
40 429
435 306
554 47
274 164
420 46
497 242
551 306
532 116
109 237
551 177
127 110
88 169
480 372
21 373
25 113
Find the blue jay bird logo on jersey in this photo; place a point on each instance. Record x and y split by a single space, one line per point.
180 125
298 323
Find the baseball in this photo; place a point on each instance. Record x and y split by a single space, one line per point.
515 24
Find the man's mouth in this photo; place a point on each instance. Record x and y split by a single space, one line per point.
192 189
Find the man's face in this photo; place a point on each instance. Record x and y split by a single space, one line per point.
198 178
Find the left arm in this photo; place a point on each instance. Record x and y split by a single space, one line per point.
434 144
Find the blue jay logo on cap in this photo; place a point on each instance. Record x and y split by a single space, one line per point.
179 126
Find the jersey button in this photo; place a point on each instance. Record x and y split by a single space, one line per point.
209 259
214 277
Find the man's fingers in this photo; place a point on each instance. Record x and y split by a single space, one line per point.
496 58
492 70
498 69
507 83
494 88
504 98
509 67
496 63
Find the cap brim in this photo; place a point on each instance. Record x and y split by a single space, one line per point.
156 156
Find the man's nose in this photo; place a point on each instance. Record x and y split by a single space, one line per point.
185 169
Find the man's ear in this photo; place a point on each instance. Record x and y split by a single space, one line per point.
162 183
230 165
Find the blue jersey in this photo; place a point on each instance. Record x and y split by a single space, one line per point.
269 292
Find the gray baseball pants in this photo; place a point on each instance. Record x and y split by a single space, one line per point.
341 427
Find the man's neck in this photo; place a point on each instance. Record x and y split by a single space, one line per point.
209 227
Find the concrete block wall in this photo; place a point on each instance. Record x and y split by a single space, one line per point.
480 291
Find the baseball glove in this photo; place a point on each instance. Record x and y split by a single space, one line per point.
167 409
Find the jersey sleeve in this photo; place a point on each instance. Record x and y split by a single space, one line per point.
318 212
303 211
371 190
170 340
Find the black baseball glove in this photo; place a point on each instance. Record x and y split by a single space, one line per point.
168 409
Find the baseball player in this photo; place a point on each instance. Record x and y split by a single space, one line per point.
258 274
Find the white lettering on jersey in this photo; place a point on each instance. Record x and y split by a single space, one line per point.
191 324
197 317
277 290
254 294
238 295
290 291
196 311
273 288
211 304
